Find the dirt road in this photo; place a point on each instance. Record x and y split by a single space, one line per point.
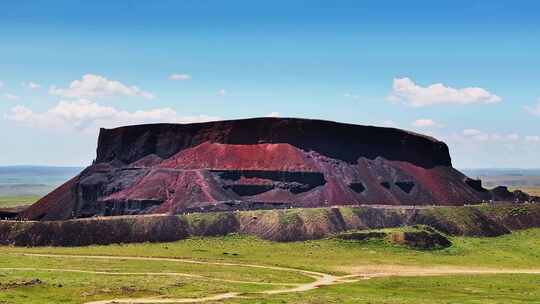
319 279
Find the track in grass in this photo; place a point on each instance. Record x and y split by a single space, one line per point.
319 278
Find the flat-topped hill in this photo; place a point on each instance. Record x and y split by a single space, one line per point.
260 163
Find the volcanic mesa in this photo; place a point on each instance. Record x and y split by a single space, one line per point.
255 164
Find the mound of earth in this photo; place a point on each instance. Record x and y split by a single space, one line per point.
296 224
362 236
260 163
425 238
417 237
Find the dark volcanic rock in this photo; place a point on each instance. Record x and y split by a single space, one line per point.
426 239
257 163
501 193
361 236
476 184
7 214
334 140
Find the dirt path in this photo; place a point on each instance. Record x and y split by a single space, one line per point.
373 271
320 279
218 297
131 258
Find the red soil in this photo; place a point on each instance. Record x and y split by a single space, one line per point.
258 162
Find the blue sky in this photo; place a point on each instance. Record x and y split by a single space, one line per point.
466 72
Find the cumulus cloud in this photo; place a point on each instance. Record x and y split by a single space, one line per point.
180 77
10 96
407 91
482 136
471 132
426 123
96 86
534 110
512 137
221 92
470 147
86 115
532 138
31 85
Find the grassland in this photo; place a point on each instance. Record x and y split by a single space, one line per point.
460 289
518 252
531 190
17 201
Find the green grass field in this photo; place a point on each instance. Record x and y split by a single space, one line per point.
434 276
16 201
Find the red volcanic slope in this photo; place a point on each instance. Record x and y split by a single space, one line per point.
258 163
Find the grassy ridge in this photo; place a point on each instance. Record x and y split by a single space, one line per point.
276 225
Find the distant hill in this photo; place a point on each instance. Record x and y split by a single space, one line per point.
501 172
33 180
506 177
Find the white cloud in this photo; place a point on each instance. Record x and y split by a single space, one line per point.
10 96
426 123
31 85
272 114
1 83
221 92
532 138
406 91
95 86
512 137
180 77
471 132
477 148
478 135
534 110
85 115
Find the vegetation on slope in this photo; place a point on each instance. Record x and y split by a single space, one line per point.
277 225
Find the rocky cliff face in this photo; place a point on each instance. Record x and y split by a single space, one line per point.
256 164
